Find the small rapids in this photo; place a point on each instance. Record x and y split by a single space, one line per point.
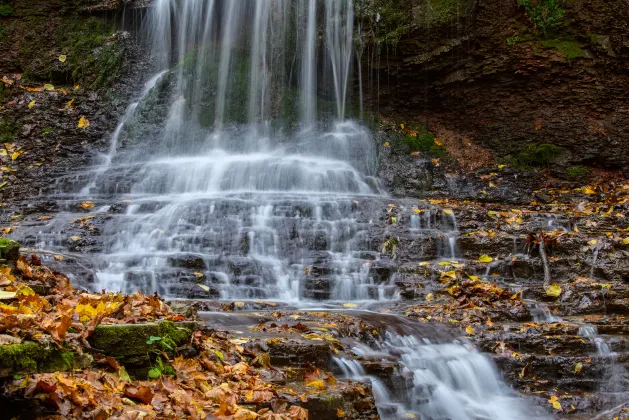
436 381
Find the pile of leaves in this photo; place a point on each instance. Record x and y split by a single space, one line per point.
61 314
468 300
218 378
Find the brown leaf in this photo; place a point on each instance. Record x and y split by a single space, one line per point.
141 393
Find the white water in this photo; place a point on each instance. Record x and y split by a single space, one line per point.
444 381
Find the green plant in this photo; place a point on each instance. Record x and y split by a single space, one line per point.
6 10
384 22
570 48
424 141
546 15
390 246
577 172
537 155
513 40
160 369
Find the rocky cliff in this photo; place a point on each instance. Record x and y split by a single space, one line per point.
528 80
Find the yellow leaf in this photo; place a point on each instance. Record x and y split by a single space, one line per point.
448 211
83 122
320 385
63 58
438 143
589 190
75 238
204 287
387 144
593 242
31 104
402 126
424 263
578 368
429 297
340 413
444 263
219 355
553 290
469 330
49 87
76 87
502 166
416 210
473 278
25 291
350 305
450 274
16 154
485 259
87 205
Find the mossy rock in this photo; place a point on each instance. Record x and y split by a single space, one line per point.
130 343
29 357
9 251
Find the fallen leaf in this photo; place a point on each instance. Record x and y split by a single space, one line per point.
350 305
31 104
485 259
63 58
49 87
83 122
87 205
469 330
553 290
6 295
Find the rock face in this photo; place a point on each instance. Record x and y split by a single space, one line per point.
486 70
91 67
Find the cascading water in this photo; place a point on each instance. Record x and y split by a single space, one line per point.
438 381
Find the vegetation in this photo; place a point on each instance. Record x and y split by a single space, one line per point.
542 155
546 15
384 22
423 141
6 10
577 172
440 12
570 48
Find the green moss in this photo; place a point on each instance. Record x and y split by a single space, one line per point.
32 357
442 12
6 10
570 48
424 142
513 40
546 15
128 343
577 172
9 250
7 131
384 22
542 155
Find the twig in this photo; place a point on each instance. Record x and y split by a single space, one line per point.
542 253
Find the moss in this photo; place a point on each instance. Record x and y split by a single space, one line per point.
542 155
546 15
424 141
442 12
8 131
577 172
9 250
32 357
384 22
6 10
570 48
128 343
